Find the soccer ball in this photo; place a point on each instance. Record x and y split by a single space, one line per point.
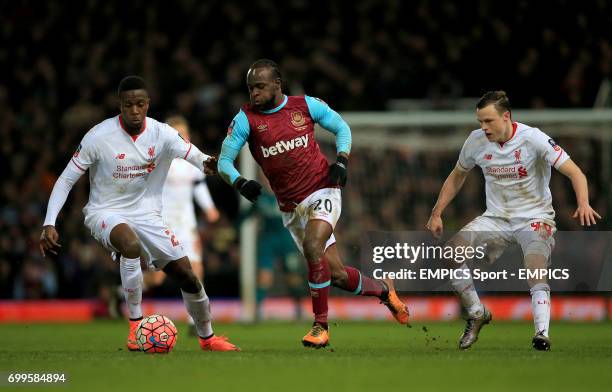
156 334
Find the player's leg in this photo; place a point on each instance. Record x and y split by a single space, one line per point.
350 279
127 244
316 234
162 246
197 304
190 238
482 230
537 241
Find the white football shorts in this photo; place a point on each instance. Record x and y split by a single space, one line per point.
158 243
324 204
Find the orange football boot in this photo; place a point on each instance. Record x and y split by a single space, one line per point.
317 337
132 344
398 309
217 343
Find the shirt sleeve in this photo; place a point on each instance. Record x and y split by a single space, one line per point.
85 155
329 119
237 136
548 149
466 161
61 189
181 148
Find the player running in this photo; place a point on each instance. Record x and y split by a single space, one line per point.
128 157
515 160
280 132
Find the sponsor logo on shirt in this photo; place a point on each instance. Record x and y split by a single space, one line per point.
554 145
262 127
283 146
501 172
488 157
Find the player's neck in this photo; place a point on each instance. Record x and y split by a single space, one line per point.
508 132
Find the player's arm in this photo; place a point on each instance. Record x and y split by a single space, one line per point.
329 119
454 182
452 185
585 213
558 158
49 236
237 136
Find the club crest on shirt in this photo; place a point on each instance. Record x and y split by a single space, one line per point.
517 156
151 152
298 120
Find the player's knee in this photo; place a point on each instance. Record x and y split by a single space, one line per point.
130 248
339 277
313 250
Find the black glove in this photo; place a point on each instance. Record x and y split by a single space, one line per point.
337 171
248 188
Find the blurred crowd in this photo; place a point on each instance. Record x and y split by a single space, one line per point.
63 63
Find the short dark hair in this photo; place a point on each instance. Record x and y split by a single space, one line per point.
266 63
132 82
497 98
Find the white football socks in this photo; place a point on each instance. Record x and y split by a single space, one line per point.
131 280
464 287
198 307
540 306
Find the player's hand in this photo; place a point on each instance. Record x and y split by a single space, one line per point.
249 189
337 171
210 166
435 226
48 240
212 215
586 215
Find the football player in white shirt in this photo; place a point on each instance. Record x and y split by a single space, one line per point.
128 157
516 161
184 184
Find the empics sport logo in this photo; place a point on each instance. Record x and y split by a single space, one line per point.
284 146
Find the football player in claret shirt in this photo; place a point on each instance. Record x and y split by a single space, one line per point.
279 130
128 157
516 161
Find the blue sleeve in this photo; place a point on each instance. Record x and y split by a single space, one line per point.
237 135
329 119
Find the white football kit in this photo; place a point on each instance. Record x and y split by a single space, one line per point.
183 184
519 202
126 175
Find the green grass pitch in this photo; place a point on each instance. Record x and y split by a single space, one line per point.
379 356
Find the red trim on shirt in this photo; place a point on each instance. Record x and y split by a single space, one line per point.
185 157
134 137
75 164
514 126
557 160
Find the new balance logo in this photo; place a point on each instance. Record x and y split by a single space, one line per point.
488 157
284 146
120 156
